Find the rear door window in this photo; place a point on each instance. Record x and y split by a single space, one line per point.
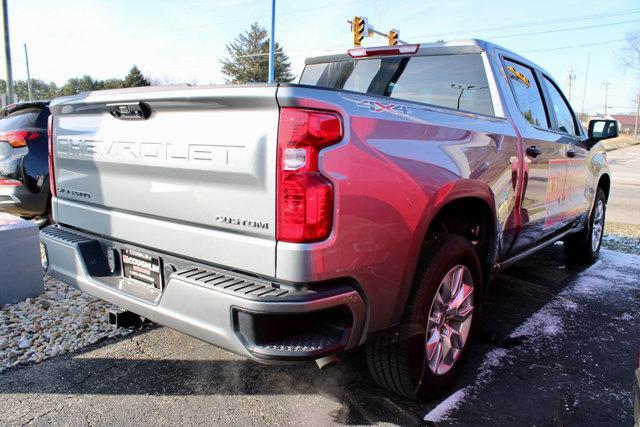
564 117
27 118
453 81
527 93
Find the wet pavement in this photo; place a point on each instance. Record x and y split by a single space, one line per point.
557 346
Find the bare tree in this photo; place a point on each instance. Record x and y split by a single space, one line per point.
631 52
631 59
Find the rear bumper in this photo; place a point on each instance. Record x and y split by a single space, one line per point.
19 200
255 318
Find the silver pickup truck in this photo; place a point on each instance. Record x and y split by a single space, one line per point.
368 205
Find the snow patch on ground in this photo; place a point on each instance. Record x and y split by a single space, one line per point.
625 317
544 322
492 360
616 242
441 412
570 305
615 270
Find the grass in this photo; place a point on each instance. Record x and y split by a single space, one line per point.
620 142
622 237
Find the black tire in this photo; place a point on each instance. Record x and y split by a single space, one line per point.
579 248
397 358
48 214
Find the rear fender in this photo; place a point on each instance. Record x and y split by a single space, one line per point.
452 191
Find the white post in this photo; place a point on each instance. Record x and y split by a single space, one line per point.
26 58
635 131
272 71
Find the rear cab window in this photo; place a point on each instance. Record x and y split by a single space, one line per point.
457 82
527 93
565 121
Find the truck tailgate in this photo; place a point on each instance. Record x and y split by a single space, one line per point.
195 178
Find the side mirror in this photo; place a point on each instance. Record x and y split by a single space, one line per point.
602 129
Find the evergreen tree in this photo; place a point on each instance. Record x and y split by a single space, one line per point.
248 60
112 84
79 84
39 90
135 78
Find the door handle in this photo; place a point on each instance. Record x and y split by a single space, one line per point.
571 152
534 151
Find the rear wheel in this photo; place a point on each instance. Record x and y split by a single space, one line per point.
48 214
423 355
584 247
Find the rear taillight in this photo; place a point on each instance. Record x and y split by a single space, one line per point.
305 196
52 176
10 182
18 138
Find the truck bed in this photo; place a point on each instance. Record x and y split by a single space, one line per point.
196 176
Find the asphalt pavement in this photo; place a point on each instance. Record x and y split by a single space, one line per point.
624 201
557 346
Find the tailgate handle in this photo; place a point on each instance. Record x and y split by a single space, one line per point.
130 111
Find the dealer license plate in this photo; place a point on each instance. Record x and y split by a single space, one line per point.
142 267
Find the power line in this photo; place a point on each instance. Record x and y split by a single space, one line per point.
13 59
574 46
563 29
536 23
291 12
610 107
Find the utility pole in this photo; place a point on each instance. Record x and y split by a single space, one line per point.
586 79
7 52
570 78
635 130
272 71
26 59
606 93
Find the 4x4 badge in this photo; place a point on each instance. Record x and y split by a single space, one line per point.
380 107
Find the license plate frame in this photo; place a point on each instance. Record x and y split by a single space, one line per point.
142 267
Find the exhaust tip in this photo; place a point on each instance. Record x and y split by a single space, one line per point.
327 362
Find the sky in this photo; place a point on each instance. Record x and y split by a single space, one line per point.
179 41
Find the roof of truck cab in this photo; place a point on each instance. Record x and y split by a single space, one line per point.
438 48
450 47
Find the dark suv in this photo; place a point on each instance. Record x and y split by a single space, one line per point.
24 166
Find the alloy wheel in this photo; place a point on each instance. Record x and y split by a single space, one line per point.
449 321
598 226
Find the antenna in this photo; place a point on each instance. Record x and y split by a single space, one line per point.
584 92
